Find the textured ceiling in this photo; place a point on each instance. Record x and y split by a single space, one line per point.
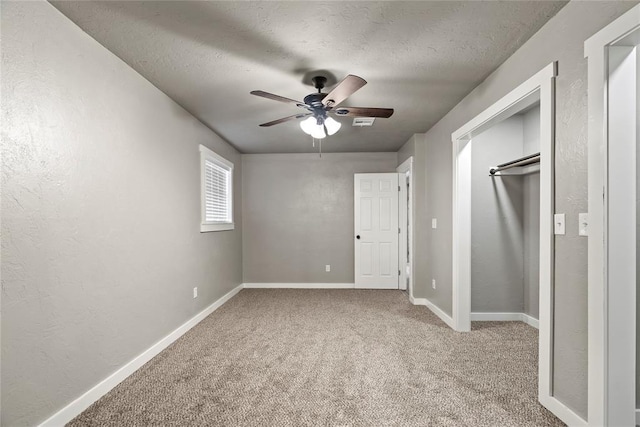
419 58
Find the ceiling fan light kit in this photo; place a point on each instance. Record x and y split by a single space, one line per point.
320 127
320 106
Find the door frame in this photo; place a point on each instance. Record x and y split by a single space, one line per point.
540 87
406 168
611 319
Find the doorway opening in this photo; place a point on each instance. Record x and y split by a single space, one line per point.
505 219
614 131
405 213
539 89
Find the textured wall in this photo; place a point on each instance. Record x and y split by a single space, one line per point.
407 150
497 235
100 214
298 215
416 148
561 39
531 219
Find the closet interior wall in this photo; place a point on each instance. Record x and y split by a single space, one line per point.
505 219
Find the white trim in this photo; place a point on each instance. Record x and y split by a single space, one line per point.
637 416
407 167
505 317
594 46
299 286
567 415
530 320
603 408
217 227
207 226
541 86
76 407
503 108
217 157
434 308
496 317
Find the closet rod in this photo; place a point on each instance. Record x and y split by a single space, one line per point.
523 161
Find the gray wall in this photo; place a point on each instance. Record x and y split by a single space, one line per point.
497 237
561 39
407 150
298 215
415 147
100 214
531 218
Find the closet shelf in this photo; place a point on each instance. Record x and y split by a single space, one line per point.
523 161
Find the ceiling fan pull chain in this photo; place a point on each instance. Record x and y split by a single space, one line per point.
313 142
320 146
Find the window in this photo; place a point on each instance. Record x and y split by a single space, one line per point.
216 182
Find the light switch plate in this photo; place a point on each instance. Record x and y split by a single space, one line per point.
583 224
327 268
434 223
558 224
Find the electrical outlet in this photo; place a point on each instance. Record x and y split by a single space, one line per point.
195 292
434 223
327 268
433 283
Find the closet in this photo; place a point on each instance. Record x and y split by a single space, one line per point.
505 219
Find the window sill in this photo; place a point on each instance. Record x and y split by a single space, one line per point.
205 228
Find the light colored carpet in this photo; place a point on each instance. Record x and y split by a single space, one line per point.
332 358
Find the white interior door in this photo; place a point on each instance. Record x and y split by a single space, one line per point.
376 231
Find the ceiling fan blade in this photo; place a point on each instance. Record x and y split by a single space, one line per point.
285 119
363 112
276 97
347 87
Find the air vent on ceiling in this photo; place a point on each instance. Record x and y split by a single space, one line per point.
363 121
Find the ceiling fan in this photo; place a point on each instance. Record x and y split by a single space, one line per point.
319 106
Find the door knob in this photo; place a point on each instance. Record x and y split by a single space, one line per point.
358 237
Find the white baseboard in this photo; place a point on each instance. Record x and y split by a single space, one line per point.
561 411
637 416
530 320
299 285
434 308
76 407
495 317
505 317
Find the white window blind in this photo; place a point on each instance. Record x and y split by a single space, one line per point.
216 192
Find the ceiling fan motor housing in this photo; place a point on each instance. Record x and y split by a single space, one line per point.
314 103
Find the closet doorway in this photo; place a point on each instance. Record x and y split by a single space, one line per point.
614 139
535 97
505 219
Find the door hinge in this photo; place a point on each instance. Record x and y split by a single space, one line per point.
398 188
398 272
398 230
